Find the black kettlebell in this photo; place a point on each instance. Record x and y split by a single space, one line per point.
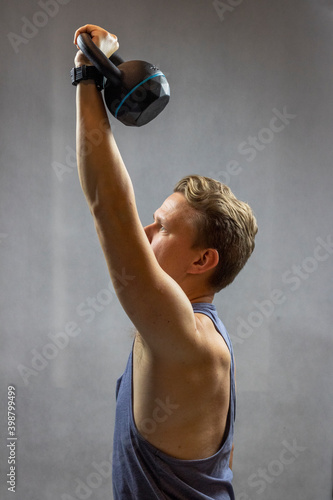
135 92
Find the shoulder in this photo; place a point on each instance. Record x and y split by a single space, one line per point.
210 341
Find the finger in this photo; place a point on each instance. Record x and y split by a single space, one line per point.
92 29
87 28
105 41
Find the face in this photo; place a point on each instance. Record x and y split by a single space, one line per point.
172 235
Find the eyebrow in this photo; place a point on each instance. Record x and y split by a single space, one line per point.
158 218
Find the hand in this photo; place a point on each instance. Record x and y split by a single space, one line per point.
104 40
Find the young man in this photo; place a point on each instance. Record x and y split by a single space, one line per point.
176 399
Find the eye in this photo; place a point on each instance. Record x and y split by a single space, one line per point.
158 221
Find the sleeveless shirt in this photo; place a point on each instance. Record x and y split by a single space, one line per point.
140 471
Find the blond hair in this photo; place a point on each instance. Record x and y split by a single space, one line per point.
223 223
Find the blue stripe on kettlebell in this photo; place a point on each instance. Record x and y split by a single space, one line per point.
138 85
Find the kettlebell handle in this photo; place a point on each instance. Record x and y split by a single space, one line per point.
99 59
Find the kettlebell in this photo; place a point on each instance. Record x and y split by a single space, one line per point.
135 92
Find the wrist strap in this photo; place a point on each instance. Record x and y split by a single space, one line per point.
87 73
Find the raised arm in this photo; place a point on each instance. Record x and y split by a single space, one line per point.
154 302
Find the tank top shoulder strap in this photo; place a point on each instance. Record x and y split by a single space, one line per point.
210 311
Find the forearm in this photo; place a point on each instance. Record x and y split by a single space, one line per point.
103 176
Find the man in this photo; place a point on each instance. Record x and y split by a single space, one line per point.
176 400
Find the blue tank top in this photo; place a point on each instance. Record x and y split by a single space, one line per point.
142 472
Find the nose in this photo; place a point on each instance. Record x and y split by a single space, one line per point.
149 230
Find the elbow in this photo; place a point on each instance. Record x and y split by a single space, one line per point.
111 214
109 203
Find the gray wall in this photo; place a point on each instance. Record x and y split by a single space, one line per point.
231 72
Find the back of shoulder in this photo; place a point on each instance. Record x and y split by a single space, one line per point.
211 341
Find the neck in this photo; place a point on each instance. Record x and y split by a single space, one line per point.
195 296
197 292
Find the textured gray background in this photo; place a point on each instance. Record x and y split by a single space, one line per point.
228 72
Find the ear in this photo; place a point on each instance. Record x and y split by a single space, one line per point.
208 259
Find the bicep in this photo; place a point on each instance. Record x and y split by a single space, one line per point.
154 302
